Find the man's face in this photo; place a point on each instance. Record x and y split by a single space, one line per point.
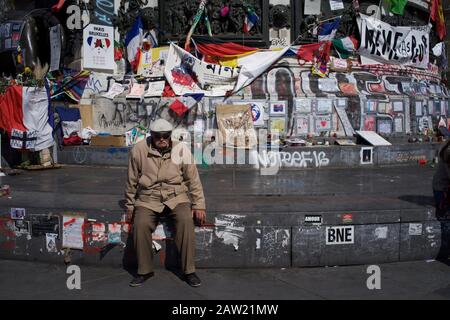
161 140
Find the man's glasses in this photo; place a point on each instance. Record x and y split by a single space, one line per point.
161 135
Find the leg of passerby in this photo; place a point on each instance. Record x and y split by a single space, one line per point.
185 241
440 200
144 224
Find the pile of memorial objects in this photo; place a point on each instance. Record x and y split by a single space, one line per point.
383 78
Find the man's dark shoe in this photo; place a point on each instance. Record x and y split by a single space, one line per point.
140 279
193 280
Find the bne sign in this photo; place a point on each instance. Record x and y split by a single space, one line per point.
340 235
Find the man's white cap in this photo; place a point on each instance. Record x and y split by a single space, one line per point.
161 125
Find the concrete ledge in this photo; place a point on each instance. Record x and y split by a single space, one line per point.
290 157
248 240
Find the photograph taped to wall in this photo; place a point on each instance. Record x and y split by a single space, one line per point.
443 107
302 125
323 123
18 213
398 125
369 123
278 108
418 108
384 126
278 125
398 106
22 226
303 105
324 106
371 106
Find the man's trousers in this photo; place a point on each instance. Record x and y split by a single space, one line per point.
145 222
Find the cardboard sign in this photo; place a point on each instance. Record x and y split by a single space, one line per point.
235 124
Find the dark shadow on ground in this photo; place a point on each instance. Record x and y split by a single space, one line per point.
418 199
167 256
444 221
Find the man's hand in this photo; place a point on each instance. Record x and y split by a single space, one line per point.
199 216
130 214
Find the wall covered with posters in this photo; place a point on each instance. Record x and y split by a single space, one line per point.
391 100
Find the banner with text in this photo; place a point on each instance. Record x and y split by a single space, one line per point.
383 43
187 74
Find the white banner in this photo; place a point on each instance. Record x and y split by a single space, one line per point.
383 43
187 74
98 47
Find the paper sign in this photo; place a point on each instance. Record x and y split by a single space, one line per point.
323 123
137 91
278 108
73 232
114 233
22 227
302 125
55 47
418 108
98 47
155 89
415 229
278 125
398 106
303 105
50 242
398 124
384 126
114 91
336 5
324 106
328 85
312 7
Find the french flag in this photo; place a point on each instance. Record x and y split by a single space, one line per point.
327 31
251 19
133 42
183 104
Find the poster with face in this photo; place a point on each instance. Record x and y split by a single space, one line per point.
258 113
369 123
302 125
280 83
